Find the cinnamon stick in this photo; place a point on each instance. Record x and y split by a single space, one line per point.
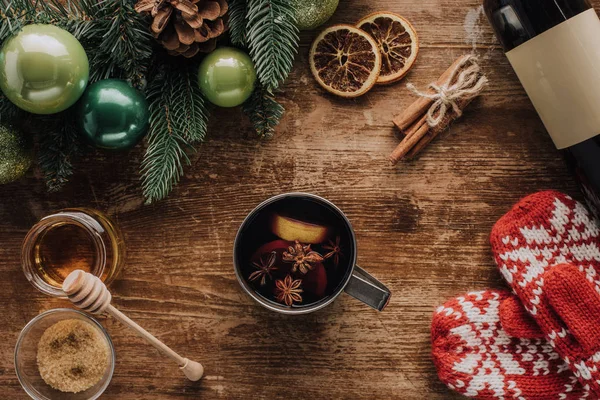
414 111
413 136
419 134
421 144
435 131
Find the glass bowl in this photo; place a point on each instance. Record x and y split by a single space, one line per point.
26 357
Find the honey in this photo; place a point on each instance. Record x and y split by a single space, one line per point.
63 249
68 240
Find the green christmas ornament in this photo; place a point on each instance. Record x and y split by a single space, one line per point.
313 13
43 69
226 77
16 155
112 115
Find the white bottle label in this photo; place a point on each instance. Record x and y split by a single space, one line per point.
560 71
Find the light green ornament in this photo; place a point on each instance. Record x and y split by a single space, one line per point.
16 155
43 69
227 77
313 13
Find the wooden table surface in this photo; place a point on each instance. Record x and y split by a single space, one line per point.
422 229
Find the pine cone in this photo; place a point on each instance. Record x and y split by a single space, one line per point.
186 27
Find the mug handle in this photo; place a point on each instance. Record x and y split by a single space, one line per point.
362 286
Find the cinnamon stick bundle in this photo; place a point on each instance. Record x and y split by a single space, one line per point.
438 107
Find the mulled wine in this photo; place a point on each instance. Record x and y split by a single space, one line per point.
296 251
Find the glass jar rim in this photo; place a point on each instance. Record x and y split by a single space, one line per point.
45 225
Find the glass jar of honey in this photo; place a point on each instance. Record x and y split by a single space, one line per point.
76 238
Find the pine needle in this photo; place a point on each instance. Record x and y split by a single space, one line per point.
268 28
263 111
237 22
59 144
194 111
178 118
123 43
273 39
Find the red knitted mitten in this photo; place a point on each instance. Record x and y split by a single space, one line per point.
475 356
540 233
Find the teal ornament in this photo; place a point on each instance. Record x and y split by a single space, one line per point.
43 69
112 115
16 155
226 77
313 13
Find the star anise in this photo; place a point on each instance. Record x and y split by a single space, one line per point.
288 291
335 250
264 268
302 256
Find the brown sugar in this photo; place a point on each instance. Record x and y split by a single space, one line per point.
72 356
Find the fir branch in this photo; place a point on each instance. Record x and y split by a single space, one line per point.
263 111
237 22
18 13
272 39
124 43
178 117
59 144
194 111
13 15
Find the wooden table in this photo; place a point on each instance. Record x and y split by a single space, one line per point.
422 229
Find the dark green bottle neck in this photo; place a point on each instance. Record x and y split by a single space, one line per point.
517 21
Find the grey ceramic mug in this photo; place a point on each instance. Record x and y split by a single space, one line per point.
356 282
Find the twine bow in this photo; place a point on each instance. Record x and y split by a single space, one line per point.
469 83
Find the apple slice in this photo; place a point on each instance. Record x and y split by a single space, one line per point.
315 281
278 246
292 229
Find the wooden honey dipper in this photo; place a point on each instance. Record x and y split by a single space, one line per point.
90 294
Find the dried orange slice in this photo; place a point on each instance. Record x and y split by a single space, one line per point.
397 41
345 60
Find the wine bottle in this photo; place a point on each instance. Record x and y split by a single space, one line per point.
554 48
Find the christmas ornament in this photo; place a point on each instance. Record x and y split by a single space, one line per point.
313 13
113 115
548 249
16 155
43 69
226 77
186 27
477 355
